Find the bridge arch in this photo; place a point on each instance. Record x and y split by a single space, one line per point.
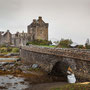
60 66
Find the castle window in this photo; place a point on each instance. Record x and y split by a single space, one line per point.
40 31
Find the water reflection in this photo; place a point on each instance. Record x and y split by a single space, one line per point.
9 82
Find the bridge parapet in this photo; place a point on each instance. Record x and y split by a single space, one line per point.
81 54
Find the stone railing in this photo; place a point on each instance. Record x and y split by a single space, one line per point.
81 54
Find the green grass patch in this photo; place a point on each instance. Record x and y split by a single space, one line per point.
39 42
6 50
47 46
73 87
15 50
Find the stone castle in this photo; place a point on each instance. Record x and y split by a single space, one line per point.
38 29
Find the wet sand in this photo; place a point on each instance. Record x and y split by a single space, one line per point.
46 86
10 82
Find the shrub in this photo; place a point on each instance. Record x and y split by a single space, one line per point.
87 46
81 46
40 42
3 50
15 50
65 43
9 49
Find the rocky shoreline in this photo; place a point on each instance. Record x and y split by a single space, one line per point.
32 73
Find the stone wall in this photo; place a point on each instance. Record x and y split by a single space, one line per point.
81 54
58 60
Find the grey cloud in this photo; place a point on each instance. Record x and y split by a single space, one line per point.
67 18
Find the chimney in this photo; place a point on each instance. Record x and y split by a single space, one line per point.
34 20
7 30
40 18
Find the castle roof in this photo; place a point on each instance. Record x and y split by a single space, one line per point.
38 22
8 32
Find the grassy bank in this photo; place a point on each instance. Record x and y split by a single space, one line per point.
47 45
6 50
78 86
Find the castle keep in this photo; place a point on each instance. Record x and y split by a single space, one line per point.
38 29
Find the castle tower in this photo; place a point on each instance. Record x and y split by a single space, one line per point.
38 29
7 38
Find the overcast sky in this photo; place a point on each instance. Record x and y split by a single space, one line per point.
66 18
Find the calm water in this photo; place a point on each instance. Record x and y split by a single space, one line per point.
12 83
9 58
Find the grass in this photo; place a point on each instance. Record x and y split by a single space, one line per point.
73 87
47 45
15 50
6 50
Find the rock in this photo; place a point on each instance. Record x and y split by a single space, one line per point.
35 66
3 63
3 69
9 54
11 63
14 54
10 76
18 59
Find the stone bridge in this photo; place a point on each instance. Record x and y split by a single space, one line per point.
57 60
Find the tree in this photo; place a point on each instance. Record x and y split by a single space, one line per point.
87 44
80 47
65 43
